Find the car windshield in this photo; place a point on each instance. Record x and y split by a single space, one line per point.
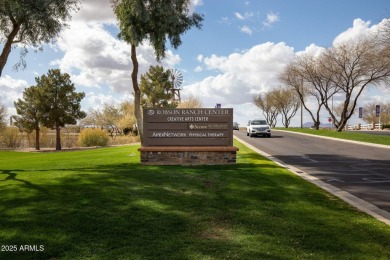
259 122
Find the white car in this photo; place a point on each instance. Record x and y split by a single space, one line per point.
258 127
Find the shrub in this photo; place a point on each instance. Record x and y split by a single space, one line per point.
93 137
10 138
125 139
386 126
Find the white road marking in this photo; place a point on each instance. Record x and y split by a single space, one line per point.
308 158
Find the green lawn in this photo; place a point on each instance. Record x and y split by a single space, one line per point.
102 204
348 135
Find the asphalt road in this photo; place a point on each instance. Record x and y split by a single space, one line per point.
361 170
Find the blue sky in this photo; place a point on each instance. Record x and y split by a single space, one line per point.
238 53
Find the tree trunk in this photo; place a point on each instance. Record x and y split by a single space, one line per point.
285 120
58 136
341 126
137 92
37 147
316 121
7 47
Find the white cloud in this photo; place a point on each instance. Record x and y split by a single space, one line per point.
95 58
95 11
239 16
358 30
199 58
271 19
244 112
242 74
97 100
246 29
194 4
244 16
11 90
91 54
102 12
198 69
312 49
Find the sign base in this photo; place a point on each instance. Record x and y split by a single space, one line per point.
188 155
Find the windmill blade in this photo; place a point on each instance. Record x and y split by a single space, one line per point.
177 78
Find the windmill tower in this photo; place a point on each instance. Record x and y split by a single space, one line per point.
177 80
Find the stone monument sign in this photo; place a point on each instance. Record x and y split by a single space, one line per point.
188 127
188 136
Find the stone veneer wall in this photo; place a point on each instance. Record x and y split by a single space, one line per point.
188 155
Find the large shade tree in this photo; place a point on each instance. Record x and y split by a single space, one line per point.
304 76
112 117
351 68
287 101
60 104
345 70
267 103
30 23
383 36
156 21
127 122
108 118
28 119
156 88
3 114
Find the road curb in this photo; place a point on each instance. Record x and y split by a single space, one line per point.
354 201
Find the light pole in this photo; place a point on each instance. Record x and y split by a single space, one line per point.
301 102
265 104
332 113
301 116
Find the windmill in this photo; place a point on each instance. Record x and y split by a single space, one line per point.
177 80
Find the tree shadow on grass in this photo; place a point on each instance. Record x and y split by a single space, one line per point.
131 211
12 176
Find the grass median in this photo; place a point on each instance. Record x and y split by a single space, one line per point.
102 204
